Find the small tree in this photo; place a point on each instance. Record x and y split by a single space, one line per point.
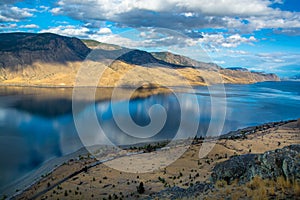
140 188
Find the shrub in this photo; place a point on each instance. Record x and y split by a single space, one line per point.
140 188
236 195
296 188
221 183
161 179
255 183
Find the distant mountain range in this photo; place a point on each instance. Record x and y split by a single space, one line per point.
238 69
48 59
295 77
291 78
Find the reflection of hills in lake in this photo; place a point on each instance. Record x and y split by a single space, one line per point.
38 123
49 108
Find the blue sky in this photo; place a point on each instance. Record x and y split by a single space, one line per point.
261 35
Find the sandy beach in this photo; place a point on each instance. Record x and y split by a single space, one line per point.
101 181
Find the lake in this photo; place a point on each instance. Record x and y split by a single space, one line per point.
37 124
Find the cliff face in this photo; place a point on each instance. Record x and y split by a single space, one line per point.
51 60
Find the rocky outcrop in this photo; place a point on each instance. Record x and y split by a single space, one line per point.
270 165
180 193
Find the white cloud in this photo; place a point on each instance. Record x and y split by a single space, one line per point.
216 41
219 62
104 31
25 12
242 15
69 30
278 1
44 8
237 52
9 13
55 10
208 7
146 38
29 26
8 26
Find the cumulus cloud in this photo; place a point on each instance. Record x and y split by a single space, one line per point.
104 31
290 31
55 10
29 26
146 38
76 31
237 52
165 38
8 26
217 41
10 13
68 30
181 14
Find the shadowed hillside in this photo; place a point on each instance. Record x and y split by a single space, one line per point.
183 60
47 59
21 49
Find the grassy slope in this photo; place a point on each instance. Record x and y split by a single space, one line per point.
124 74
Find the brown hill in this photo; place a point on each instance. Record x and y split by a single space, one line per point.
18 50
183 61
52 60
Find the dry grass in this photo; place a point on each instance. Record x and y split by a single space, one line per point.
221 184
257 189
120 74
189 165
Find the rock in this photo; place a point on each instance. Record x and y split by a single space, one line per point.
234 168
180 193
298 123
272 164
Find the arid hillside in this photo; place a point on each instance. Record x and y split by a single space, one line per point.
53 60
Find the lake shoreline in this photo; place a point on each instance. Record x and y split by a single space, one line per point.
130 87
240 134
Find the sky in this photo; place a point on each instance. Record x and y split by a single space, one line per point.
260 35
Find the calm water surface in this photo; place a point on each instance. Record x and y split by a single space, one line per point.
35 128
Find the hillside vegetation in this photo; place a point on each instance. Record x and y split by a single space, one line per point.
53 60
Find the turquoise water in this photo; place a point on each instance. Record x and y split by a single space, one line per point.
33 129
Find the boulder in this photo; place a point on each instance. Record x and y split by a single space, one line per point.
269 165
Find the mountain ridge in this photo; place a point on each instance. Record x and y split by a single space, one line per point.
21 49
54 60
